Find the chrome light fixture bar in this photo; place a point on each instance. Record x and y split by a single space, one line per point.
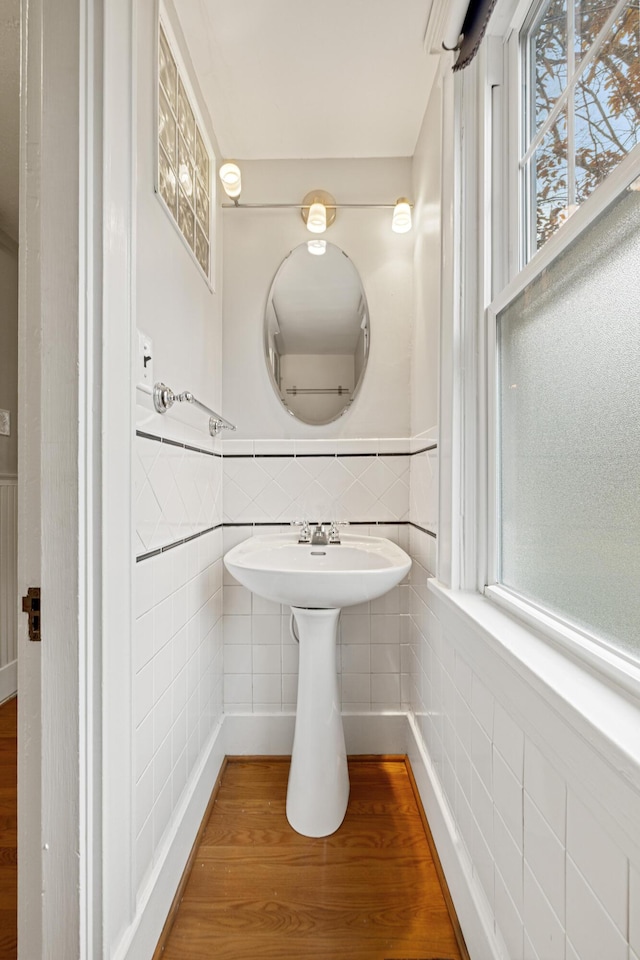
318 208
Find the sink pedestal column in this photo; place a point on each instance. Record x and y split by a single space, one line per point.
318 790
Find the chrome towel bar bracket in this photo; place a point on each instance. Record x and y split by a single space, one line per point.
164 398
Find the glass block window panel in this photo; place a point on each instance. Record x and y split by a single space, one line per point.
184 162
569 433
168 72
167 182
581 81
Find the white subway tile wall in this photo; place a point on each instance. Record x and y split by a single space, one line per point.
178 679
556 880
178 670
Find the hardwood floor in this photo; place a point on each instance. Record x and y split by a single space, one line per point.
259 891
8 831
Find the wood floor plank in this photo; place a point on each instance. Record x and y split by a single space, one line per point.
8 830
260 891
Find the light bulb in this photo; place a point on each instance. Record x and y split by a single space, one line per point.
401 222
317 219
317 247
231 179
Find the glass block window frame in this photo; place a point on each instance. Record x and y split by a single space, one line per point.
185 159
580 106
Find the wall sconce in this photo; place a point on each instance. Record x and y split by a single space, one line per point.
317 247
318 210
401 220
231 179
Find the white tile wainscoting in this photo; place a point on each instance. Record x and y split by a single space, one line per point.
533 812
177 658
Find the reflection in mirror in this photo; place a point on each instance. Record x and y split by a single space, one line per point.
316 332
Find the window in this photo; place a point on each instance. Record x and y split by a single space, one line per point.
563 446
581 105
569 432
184 160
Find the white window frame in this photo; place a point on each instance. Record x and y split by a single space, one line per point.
163 21
497 264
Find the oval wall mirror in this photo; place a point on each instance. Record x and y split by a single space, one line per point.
316 332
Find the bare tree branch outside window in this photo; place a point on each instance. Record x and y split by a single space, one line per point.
600 122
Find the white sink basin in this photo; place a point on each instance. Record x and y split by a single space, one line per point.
279 568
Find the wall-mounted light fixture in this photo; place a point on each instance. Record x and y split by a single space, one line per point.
318 208
231 180
401 220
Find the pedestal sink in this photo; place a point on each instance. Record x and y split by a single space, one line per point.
317 581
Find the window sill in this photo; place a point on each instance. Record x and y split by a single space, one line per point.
593 704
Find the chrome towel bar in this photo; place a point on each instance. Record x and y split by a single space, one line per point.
164 398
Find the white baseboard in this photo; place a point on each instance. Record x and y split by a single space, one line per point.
473 910
154 901
252 734
8 680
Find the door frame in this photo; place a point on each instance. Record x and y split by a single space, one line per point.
75 415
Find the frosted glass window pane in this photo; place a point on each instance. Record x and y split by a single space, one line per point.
569 445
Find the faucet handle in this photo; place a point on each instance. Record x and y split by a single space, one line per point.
305 532
334 530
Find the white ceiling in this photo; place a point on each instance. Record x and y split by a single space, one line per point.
281 78
9 114
300 79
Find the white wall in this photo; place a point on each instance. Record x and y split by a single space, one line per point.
9 353
427 184
256 242
176 663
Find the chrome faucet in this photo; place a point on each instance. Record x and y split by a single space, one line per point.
321 535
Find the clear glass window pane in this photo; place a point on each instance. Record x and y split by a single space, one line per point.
607 104
590 18
168 71
548 60
549 182
569 444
